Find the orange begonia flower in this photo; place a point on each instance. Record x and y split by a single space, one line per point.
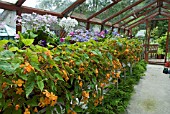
81 69
85 94
4 84
17 107
27 111
96 71
79 78
52 97
81 84
48 54
19 91
107 76
47 94
47 101
19 82
64 72
96 102
27 67
102 85
118 75
22 65
35 109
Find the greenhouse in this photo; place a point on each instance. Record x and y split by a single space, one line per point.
84 56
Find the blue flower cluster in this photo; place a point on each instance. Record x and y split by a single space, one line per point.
80 35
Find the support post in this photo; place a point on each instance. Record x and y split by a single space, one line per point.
88 26
130 33
112 28
167 41
18 27
147 41
102 27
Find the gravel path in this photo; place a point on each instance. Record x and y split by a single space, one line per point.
152 94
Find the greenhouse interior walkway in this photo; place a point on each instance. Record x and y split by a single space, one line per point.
152 94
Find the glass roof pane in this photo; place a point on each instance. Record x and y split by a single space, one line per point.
50 5
90 7
132 10
10 1
1 10
120 6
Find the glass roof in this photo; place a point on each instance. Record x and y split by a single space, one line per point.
10 1
50 5
90 7
121 5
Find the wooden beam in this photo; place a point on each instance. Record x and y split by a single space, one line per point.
72 7
102 10
165 7
159 19
20 2
122 11
143 14
165 14
149 5
8 6
24 9
143 20
166 1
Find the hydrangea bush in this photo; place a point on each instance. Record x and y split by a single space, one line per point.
68 24
81 35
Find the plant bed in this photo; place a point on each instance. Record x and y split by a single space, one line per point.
66 77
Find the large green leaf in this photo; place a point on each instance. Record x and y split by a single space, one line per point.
3 42
13 49
40 83
29 87
27 42
58 76
8 67
6 55
32 35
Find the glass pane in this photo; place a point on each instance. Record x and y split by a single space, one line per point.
7 24
1 10
10 1
50 5
120 6
89 7
166 4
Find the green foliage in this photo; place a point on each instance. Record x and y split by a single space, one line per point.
162 42
116 100
36 77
